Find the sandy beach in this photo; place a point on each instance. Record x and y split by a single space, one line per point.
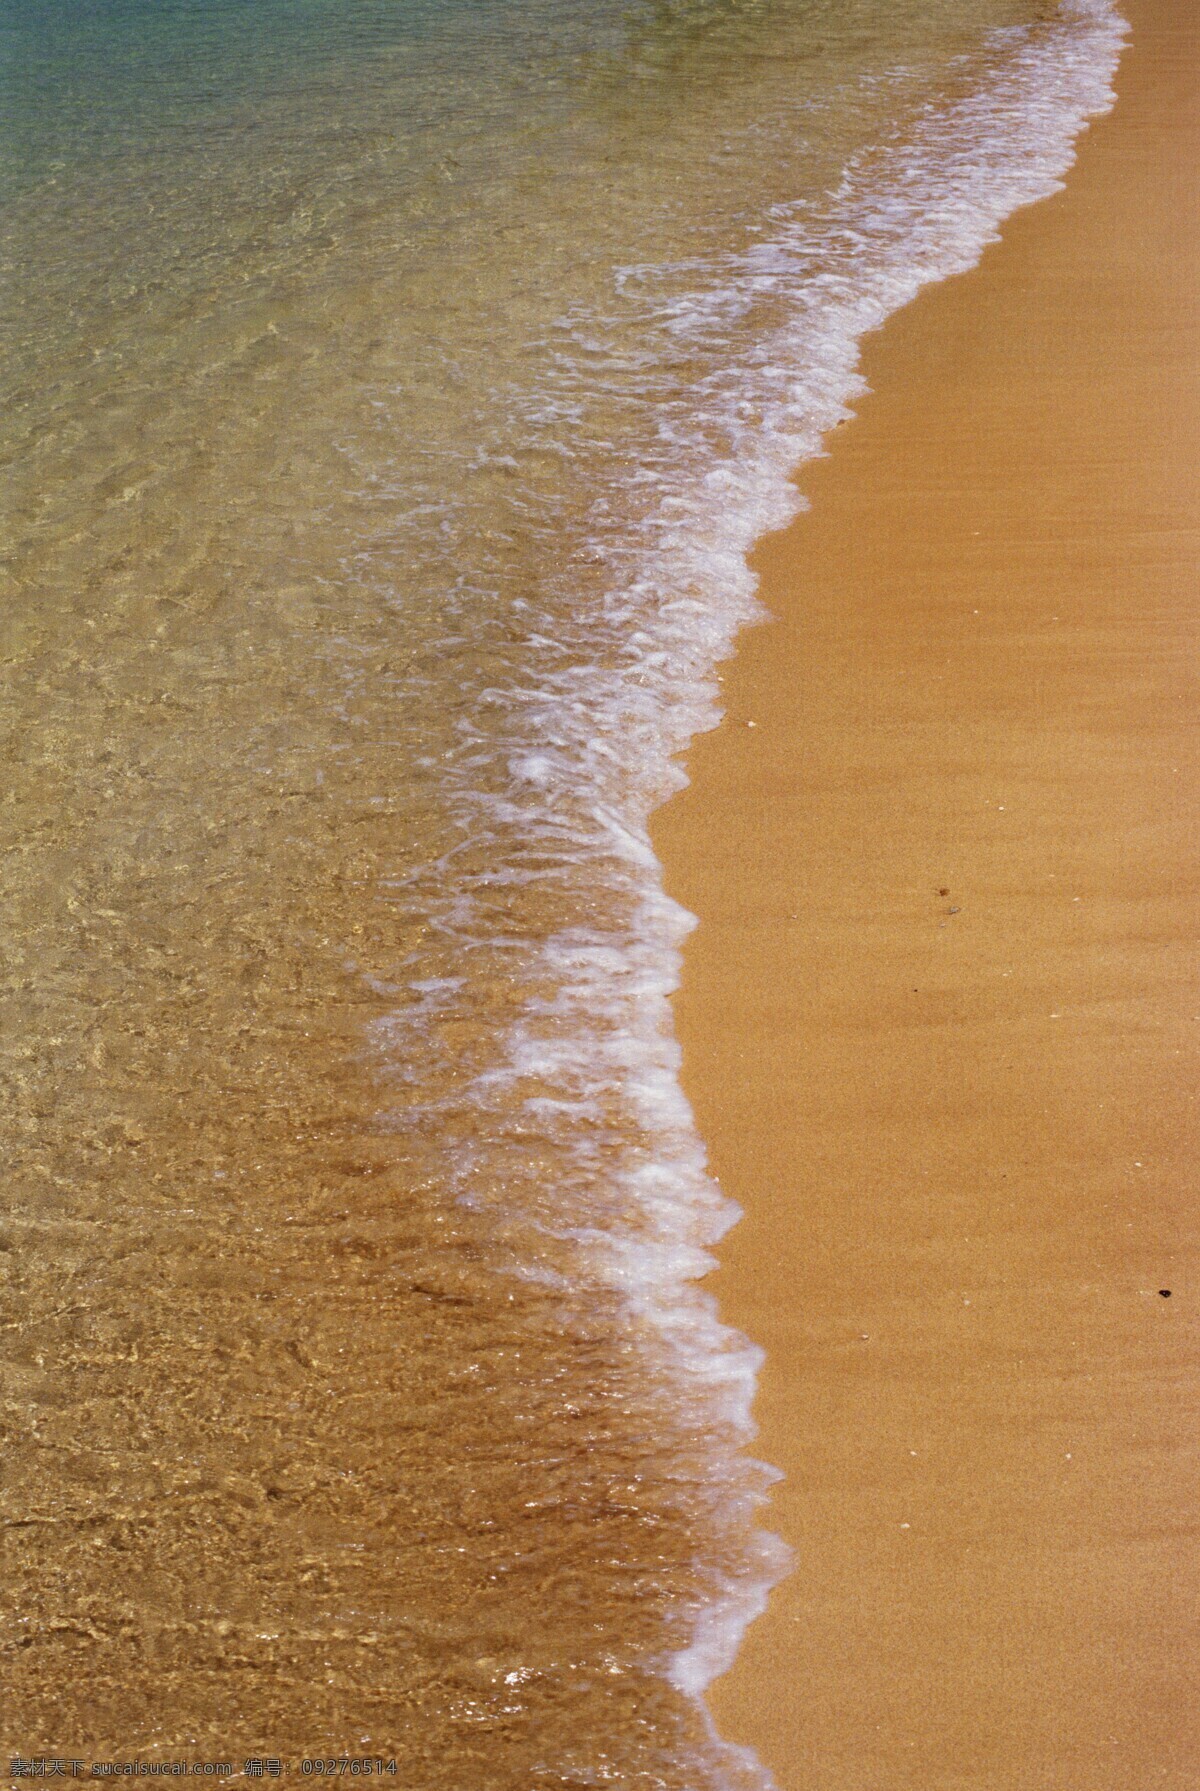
939 1017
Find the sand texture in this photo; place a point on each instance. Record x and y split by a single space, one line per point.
940 1016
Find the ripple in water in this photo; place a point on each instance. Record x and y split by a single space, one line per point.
393 398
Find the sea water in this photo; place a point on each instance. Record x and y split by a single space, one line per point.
392 391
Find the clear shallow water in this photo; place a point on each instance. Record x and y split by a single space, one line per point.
391 394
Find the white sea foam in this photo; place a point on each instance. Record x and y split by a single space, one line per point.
590 730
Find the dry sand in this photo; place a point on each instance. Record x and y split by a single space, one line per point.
940 1016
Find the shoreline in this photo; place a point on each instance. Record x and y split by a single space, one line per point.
935 1021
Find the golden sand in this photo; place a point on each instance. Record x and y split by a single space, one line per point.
939 1018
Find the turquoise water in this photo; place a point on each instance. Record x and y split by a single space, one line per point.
391 395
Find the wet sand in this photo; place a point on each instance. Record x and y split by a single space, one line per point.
939 1018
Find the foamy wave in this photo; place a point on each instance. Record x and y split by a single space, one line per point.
589 734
